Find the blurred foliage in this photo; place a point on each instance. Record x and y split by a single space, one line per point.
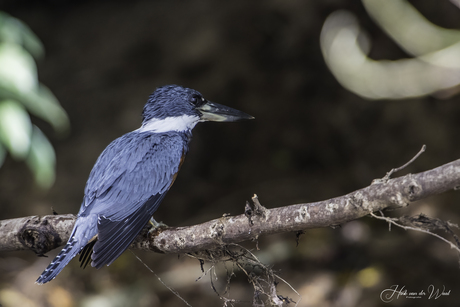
20 93
433 70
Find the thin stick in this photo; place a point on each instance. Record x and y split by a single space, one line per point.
257 261
394 170
389 220
158 277
292 288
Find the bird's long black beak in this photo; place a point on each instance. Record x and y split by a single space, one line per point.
212 111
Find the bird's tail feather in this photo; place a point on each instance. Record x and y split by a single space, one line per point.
86 252
61 260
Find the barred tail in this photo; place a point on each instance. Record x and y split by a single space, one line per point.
61 260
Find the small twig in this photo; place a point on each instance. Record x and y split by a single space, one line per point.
292 288
204 273
383 216
229 278
246 261
158 277
394 170
391 221
255 261
215 259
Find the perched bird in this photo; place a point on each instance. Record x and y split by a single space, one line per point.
133 174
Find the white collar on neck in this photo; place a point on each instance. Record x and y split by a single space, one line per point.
178 123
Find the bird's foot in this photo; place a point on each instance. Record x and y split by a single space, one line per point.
156 225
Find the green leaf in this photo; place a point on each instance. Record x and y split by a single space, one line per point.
42 103
15 128
17 69
14 31
41 159
18 81
20 91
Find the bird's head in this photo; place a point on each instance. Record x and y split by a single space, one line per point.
173 107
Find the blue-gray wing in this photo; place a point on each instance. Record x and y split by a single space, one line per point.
130 171
126 186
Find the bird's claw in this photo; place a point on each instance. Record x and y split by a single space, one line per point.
156 225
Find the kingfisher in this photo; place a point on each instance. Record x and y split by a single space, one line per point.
133 174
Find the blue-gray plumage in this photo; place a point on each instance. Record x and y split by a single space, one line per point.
133 174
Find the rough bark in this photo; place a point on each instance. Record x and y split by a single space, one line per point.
41 234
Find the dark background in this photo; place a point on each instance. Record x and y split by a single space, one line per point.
311 140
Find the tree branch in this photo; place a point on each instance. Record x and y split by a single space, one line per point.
41 234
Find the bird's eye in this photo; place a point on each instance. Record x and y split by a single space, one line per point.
197 100
194 98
